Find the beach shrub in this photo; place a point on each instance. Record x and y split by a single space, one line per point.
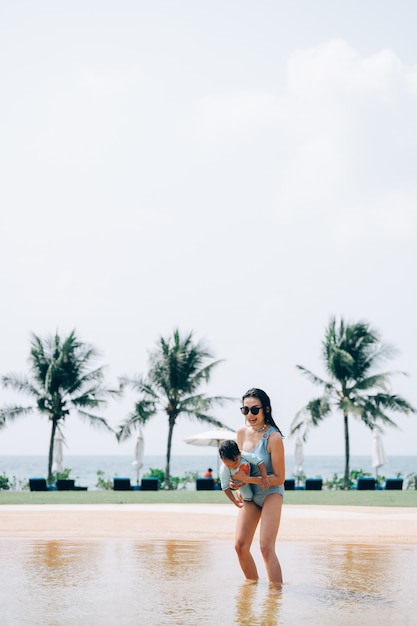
189 477
338 482
160 475
103 482
411 481
64 475
176 482
4 482
13 484
300 478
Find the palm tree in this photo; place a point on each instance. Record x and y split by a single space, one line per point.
351 354
178 367
61 380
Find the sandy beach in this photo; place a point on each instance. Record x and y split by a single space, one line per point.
202 522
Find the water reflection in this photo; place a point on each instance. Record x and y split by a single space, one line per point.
257 604
125 582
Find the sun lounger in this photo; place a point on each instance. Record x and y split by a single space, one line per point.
149 484
39 484
204 484
366 483
65 484
314 484
289 484
68 484
121 484
394 483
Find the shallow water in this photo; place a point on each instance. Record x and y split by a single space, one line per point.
118 582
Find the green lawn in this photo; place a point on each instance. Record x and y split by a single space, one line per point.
339 498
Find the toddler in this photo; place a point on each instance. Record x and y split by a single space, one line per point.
232 461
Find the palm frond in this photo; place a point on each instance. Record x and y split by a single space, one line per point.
143 412
21 383
393 402
95 420
377 381
207 419
10 412
316 380
311 415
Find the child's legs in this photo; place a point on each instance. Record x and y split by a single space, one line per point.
246 492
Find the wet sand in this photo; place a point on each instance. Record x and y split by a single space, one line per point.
377 525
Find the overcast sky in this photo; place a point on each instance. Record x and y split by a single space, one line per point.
242 170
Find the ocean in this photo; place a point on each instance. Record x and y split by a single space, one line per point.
84 468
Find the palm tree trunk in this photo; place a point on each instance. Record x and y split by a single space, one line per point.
51 451
347 453
167 477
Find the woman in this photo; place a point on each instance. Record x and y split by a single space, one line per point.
261 436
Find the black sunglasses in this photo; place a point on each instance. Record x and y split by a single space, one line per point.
254 410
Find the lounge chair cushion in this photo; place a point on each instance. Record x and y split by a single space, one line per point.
366 483
204 484
149 484
38 484
289 484
121 484
394 483
65 484
314 484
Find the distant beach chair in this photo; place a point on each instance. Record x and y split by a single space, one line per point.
68 484
149 484
39 484
314 484
289 484
366 483
121 484
394 483
65 484
204 484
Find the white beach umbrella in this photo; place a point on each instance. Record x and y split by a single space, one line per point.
211 438
378 453
58 455
298 457
139 454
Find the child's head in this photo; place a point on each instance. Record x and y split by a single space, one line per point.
230 454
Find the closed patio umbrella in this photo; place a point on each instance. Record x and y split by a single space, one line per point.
378 453
211 438
58 455
298 459
139 454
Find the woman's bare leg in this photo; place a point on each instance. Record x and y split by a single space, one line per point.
246 524
270 520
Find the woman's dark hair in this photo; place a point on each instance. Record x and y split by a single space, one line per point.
266 405
229 450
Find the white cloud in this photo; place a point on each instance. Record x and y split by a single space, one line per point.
335 67
344 151
350 150
223 117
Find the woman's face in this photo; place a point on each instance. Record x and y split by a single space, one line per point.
258 420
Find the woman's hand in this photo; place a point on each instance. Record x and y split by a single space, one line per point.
240 477
265 482
235 484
